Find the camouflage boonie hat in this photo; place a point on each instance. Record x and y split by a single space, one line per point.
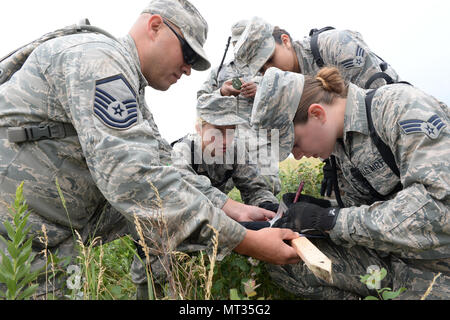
191 23
237 29
255 46
276 103
218 110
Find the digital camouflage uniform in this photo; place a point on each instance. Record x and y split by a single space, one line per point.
343 49
228 71
347 51
408 234
221 111
95 84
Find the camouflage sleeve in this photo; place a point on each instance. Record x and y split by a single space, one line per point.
210 85
415 222
122 151
350 54
256 79
181 156
254 189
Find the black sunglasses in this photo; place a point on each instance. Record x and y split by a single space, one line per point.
189 55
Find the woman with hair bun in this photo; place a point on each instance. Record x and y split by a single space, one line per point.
394 185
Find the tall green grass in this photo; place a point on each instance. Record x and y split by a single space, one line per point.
102 271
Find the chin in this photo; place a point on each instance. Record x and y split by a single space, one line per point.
159 86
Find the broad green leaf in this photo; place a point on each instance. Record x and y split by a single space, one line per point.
7 265
13 251
28 292
234 295
3 240
24 255
383 273
371 298
9 228
364 278
388 295
12 286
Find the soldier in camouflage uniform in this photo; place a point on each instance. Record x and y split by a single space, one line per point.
407 232
343 49
219 82
96 86
206 153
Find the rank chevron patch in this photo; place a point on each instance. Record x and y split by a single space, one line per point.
432 127
357 61
115 103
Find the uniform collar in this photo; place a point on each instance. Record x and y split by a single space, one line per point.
130 46
305 57
355 119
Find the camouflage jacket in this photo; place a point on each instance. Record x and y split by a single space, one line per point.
246 176
345 50
95 83
413 223
229 71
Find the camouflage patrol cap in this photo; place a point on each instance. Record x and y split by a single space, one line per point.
218 110
191 23
237 29
255 46
275 106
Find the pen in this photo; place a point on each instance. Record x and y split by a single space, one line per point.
300 188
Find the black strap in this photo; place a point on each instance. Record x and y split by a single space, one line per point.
228 173
337 193
384 150
356 174
223 59
378 75
314 34
177 141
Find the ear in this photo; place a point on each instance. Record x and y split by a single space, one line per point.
286 40
316 111
154 25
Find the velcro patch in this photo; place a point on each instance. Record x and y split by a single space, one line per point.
432 127
115 103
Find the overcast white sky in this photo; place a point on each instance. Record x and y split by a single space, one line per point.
411 35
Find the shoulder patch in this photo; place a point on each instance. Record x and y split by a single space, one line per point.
115 103
357 61
432 127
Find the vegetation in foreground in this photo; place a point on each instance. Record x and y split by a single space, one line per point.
102 271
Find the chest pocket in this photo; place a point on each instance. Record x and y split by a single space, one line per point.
375 179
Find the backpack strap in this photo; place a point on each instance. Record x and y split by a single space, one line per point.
314 43
14 60
383 149
337 193
228 173
378 75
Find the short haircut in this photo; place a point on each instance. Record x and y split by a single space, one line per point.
278 32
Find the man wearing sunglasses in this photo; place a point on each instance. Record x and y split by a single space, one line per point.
108 149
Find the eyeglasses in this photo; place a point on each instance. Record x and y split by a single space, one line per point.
189 55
